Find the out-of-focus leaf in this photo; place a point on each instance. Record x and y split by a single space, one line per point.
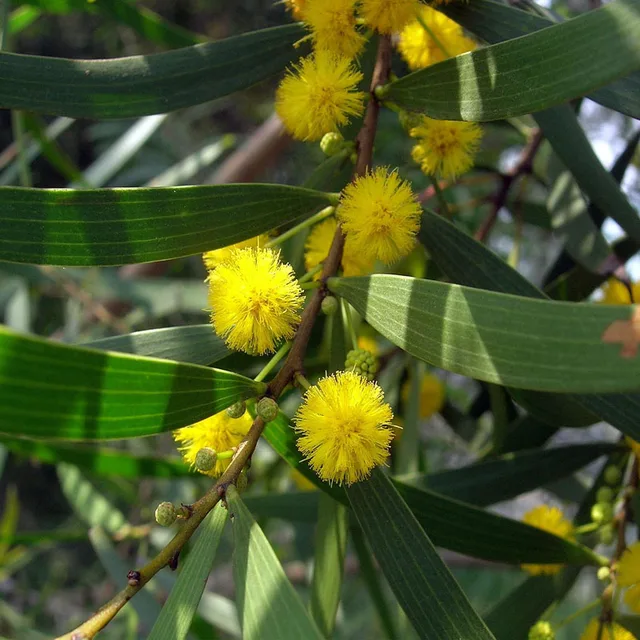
8 520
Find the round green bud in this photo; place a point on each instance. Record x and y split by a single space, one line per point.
602 512
605 494
236 410
409 120
267 409
329 305
612 475
242 481
166 514
331 143
541 630
603 573
362 362
206 459
607 534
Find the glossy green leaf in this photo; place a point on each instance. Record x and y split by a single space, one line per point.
428 593
509 340
196 344
144 85
268 605
178 611
123 226
56 392
512 78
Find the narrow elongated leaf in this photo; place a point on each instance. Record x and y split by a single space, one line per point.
268 605
197 344
57 392
509 340
123 226
512 78
145 85
428 593
177 613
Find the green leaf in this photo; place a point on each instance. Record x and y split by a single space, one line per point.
505 477
196 344
268 605
328 563
123 226
8 520
178 611
495 22
505 339
426 590
56 392
512 78
145 85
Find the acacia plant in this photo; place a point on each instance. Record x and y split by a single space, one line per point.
337 308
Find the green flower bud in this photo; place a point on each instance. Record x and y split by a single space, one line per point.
242 481
362 362
603 573
541 630
612 475
267 409
236 410
332 143
329 305
206 459
166 514
409 120
607 534
602 512
605 494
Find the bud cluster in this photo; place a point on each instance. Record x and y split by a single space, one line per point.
363 362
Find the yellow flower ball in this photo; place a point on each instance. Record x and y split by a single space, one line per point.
380 216
388 16
368 343
317 247
418 46
219 432
628 576
615 292
319 96
213 258
344 427
432 394
549 519
333 27
254 300
445 148
612 631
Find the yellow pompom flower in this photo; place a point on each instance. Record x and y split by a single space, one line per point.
213 258
318 244
388 16
445 148
418 46
296 8
612 631
369 344
254 300
319 96
220 432
344 427
333 27
628 576
432 394
552 520
380 215
615 292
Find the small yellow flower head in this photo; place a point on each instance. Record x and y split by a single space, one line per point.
380 216
317 248
388 16
432 394
213 258
218 432
552 520
254 300
296 8
628 575
333 27
615 292
445 148
345 427
612 631
369 344
319 96
420 49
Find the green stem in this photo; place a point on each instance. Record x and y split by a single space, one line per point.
586 528
309 285
17 125
318 217
225 455
5 6
302 381
576 614
441 199
268 368
307 276
425 26
347 318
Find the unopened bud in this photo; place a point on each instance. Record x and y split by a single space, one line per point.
236 410
242 481
541 630
329 305
409 120
607 534
604 494
331 143
267 409
602 512
603 573
612 475
166 514
206 459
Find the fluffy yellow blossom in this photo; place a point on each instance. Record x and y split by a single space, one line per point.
344 427
552 520
443 38
220 432
431 395
333 27
296 7
317 247
445 148
615 292
213 258
319 96
369 344
614 631
380 215
388 16
628 576
254 300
